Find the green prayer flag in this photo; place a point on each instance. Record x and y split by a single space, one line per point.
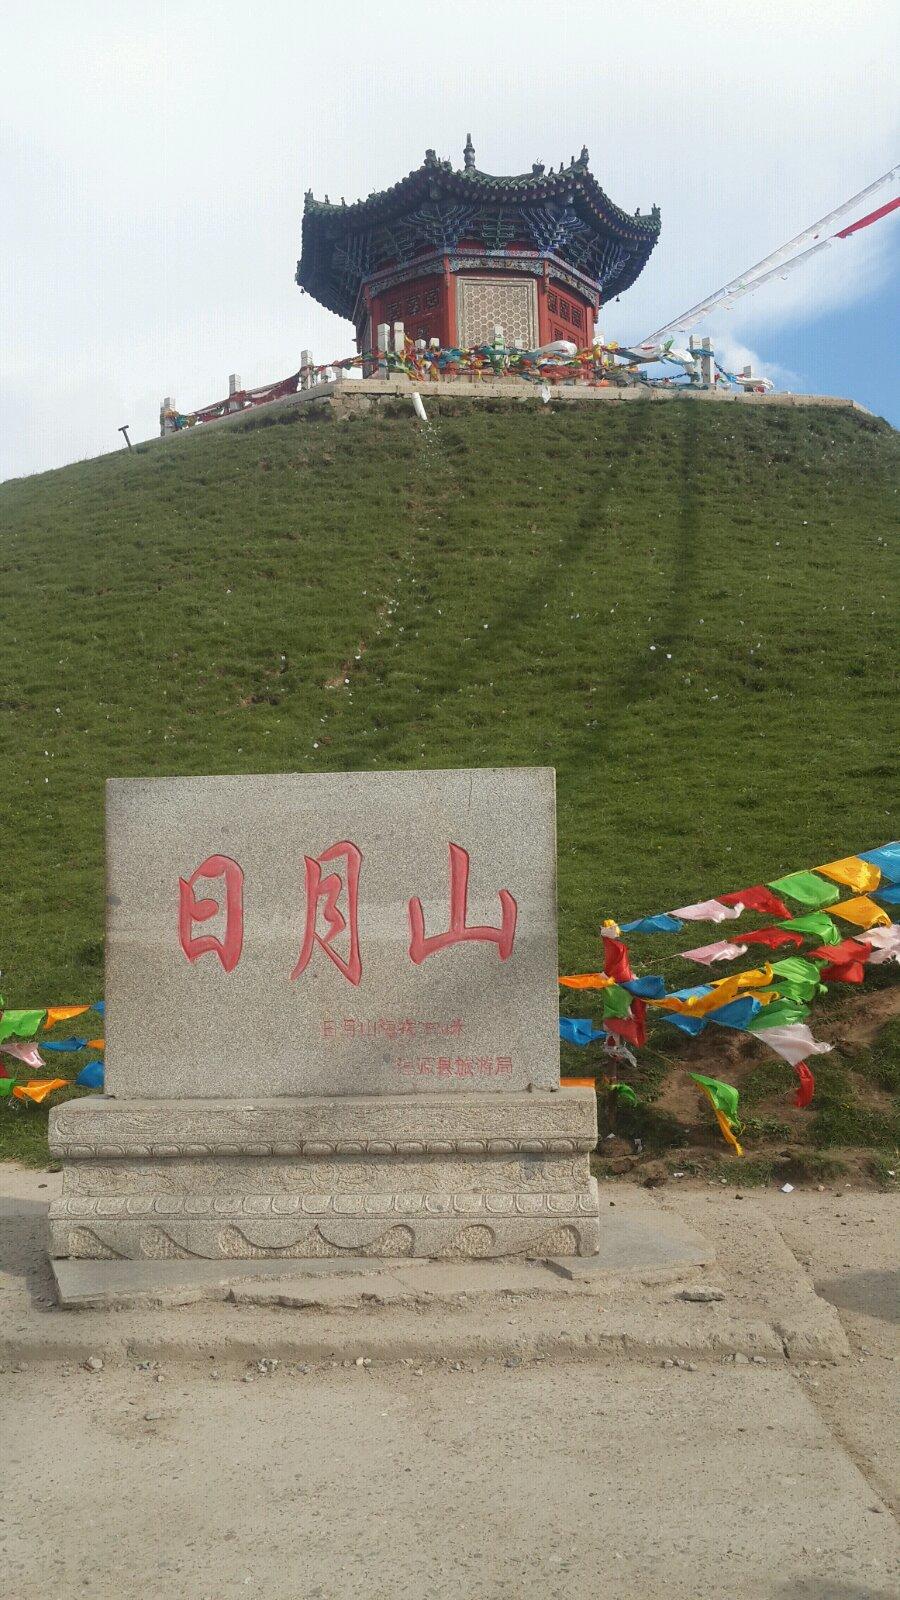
817 923
625 1092
6 1087
799 989
20 1024
615 1001
779 1013
724 1095
808 888
797 967
797 978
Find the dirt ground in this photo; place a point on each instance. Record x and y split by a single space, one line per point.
717 1479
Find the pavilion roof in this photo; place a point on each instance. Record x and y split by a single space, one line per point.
563 213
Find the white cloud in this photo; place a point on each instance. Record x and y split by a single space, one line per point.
733 355
157 160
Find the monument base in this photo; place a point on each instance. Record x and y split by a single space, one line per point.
449 1177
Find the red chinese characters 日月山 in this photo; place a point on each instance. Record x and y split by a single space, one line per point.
458 933
327 889
191 910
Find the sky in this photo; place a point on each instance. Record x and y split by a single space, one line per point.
154 160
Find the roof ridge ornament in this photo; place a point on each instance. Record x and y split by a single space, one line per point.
469 154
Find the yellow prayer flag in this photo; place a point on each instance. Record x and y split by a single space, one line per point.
39 1088
697 1005
96 1044
588 980
852 871
861 911
725 1126
753 978
62 1014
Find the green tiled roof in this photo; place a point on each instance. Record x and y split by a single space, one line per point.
562 212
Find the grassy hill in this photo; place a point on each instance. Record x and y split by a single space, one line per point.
687 609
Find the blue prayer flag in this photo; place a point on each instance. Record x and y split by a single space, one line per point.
578 1030
886 858
691 1025
91 1076
649 988
737 1013
662 923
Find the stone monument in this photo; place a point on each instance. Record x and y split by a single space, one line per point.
331 1025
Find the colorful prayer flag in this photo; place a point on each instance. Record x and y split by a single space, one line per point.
886 858
758 897
885 944
794 1042
658 924
616 964
39 1089
647 988
578 1030
781 1013
854 873
632 1029
861 911
817 923
708 911
624 1092
689 1025
91 1076
615 1002
721 950
806 1087
723 1098
63 1014
20 1024
807 888
797 978
28 1053
737 1013
773 938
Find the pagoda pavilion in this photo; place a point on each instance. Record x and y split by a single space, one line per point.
453 253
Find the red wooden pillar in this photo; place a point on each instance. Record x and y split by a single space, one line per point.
543 313
448 333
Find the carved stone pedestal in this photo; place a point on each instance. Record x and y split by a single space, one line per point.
425 1175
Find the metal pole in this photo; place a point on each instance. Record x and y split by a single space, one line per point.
124 429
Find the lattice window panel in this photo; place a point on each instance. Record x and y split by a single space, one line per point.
482 303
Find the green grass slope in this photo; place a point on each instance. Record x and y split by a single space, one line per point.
687 609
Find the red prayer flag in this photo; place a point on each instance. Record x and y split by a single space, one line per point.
846 961
615 960
869 218
757 898
844 972
634 1028
806 1087
773 938
847 950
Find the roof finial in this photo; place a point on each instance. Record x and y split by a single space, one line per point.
584 157
469 154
